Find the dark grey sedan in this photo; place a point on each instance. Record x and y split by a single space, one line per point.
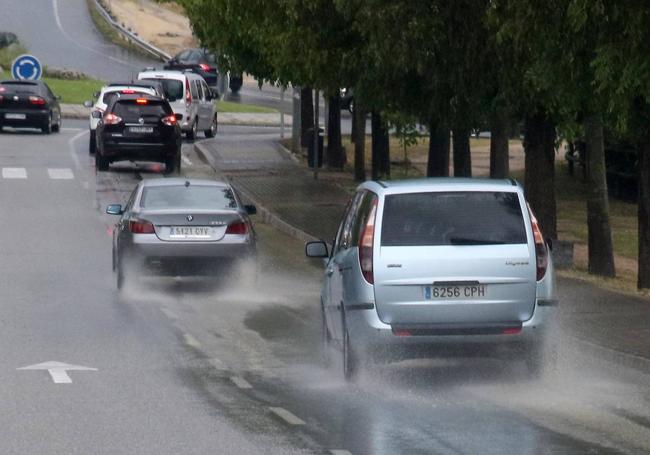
181 227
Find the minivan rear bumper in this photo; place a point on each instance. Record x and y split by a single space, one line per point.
365 326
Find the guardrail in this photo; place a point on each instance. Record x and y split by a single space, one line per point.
133 37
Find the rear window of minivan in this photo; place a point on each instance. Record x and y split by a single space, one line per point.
452 218
173 88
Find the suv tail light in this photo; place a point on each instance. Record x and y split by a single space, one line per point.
141 227
188 92
111 119
37 100
541 252
239 227
365 245
170 120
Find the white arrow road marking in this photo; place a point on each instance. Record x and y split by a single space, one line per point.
58 370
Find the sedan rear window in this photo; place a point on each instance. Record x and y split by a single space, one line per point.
131 112
20 87
452 218
205 197
173 89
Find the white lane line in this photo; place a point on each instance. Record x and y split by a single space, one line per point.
218 364
170 314
71 142
14 173
60 173
340 452
186 160
241 382
71 130
287 416
191 341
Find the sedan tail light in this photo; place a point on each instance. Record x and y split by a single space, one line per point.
204 66
37 100
111 119
541 252
170 120
366 245
239 228
141 227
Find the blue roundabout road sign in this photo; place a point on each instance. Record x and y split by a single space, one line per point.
26 67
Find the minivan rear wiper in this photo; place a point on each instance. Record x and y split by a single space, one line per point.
471 241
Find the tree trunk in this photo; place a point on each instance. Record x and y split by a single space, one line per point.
355 124
335 152
601 250
462 155
359 136
380 148
306 116
539 146
438 160
499 147
643 281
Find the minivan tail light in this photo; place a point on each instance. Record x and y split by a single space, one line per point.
141 227
111 119
366 245
541 251
37 100
188 93
239 228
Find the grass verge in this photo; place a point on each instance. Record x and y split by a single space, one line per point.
228 106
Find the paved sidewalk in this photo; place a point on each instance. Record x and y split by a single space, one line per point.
608 325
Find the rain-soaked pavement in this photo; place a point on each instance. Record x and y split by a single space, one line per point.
187 367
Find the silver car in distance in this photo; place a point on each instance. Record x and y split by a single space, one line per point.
176 226
437 261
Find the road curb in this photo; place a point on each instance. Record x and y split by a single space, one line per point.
266 214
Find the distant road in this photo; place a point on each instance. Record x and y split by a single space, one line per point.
61 34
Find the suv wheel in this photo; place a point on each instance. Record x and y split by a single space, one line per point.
173 164
191 134
213 128
101 163
92 143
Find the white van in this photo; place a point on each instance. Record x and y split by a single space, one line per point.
188 95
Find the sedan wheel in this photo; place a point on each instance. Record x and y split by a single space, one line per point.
47 128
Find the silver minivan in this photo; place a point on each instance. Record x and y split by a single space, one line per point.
434 261
188 95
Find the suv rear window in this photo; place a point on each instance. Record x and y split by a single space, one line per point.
452 218
130 111
173 89
207 197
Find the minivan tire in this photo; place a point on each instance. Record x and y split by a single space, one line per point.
191 133
213 128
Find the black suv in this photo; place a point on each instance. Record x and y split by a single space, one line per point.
139 128
29 104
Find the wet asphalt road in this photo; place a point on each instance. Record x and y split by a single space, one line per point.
185 368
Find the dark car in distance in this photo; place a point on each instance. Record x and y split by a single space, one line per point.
139 128
29 104
204 63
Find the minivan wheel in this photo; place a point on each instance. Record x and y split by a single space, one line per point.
191 134
213 128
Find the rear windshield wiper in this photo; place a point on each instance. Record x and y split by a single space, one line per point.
471 241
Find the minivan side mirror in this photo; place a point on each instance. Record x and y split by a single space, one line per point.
316 249
114 209
251 209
